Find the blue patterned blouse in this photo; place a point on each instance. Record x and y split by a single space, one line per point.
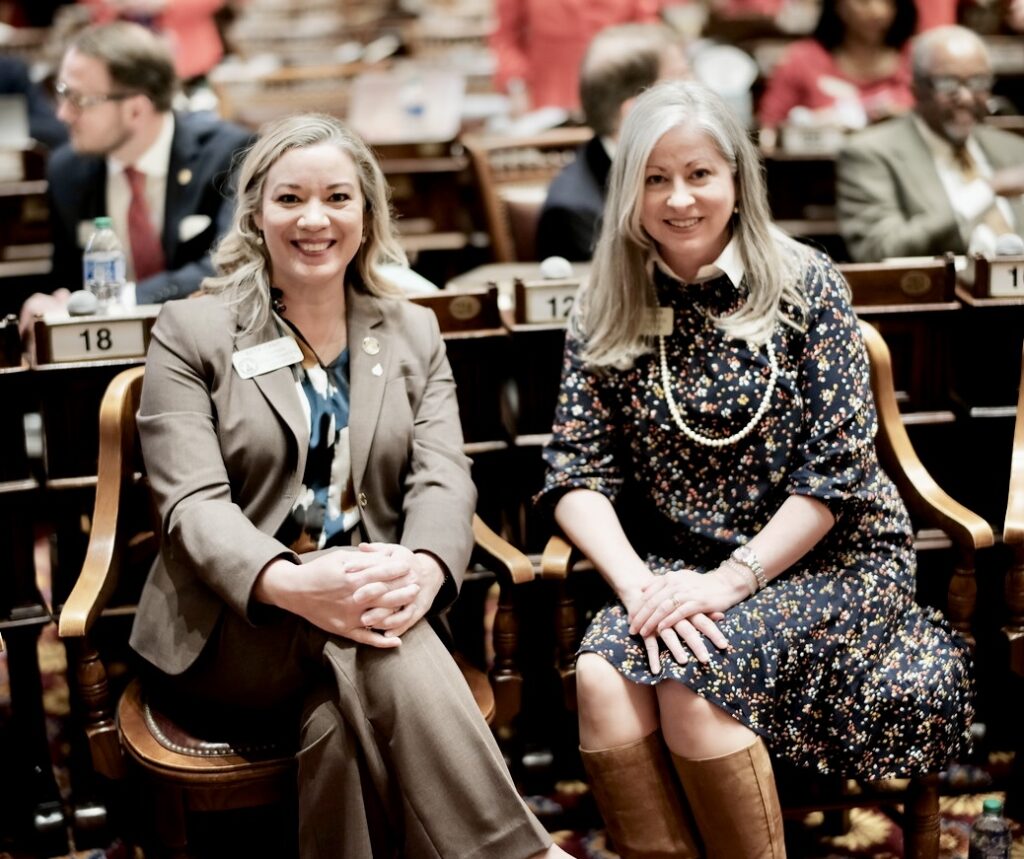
325 510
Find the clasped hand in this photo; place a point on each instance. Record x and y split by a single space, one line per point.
372 596
682 607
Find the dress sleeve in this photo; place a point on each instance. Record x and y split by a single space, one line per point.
835 460
582 453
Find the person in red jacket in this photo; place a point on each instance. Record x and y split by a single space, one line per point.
188 25
539 44
855 66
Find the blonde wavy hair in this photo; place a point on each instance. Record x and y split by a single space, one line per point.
241 259
616 304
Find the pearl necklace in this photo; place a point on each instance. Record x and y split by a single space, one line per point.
707 441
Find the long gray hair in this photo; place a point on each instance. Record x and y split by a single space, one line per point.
616 305
241 259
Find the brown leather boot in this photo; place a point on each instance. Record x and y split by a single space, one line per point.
735 804
640 801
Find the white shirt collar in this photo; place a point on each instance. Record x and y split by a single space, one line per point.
729 263
941 149
156 160
610 145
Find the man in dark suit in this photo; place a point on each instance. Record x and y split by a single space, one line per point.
936 179
162 177
620 63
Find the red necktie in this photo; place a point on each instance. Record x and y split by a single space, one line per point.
147 254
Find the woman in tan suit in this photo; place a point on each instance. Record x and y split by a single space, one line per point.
301 434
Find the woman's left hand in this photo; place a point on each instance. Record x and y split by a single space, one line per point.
422 569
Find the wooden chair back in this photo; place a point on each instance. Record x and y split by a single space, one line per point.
910 303
1013 628
512 175
967 533
191 772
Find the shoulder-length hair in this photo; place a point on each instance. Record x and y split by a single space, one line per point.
241 258
620 294
831 30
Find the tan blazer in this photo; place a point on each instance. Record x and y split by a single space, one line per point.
226 455
890 200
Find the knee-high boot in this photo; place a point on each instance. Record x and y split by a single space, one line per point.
735 804
640 800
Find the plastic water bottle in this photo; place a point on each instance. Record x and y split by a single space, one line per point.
103 263
990 834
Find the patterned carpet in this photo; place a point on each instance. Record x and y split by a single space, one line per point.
872 833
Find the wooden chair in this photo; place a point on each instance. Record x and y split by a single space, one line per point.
513 174
1013 630
927 502
189 772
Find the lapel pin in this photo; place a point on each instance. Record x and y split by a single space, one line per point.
371 346
377 370
184 176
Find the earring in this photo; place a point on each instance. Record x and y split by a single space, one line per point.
735 210
259 239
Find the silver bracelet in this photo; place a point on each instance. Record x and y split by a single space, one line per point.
745 555
743 570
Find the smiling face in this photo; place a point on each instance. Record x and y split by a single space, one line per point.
311 217
952 98
688 199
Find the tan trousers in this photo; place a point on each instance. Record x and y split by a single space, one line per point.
394 758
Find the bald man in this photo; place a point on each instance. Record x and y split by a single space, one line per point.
934 180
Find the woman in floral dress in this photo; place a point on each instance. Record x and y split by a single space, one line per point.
713 455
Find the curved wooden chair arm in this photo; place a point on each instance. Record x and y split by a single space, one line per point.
514 562
917 487
557 558
99 574
1013 525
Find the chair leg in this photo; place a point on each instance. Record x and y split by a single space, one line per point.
921 819
171 828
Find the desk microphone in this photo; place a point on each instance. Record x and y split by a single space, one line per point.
556 268
82 303
1009 245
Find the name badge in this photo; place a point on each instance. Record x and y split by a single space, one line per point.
660 322
267 357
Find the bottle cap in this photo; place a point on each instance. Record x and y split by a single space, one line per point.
101 222
992 806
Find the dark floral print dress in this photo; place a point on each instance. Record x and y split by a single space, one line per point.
833 663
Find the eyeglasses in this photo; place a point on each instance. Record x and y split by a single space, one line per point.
81 102
950 84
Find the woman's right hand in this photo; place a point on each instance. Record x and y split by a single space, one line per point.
325 592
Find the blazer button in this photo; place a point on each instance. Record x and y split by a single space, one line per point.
362 499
